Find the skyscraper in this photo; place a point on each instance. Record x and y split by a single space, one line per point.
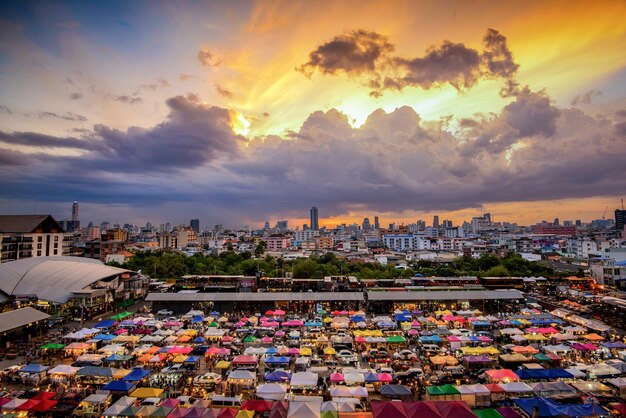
314 219
195 225
436 221
376 223
75 211
366 225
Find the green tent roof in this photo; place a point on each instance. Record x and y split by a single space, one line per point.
52 346
542 357
121 315
396 339
249 339
487 413
442 390
213 324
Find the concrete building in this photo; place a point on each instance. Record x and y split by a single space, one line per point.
314 219
26 236
277 243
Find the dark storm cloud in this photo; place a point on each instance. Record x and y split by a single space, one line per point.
208 59
394 162
353 52
370 55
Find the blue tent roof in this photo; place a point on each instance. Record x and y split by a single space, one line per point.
481 324
96 371
357 318
118 386
199 340
278 376
387 324
34 368
107 323
547 408
192 359
276 360
117 357
430 339
402 317
371 377
197 319
271 350
136 375
313 324
104 337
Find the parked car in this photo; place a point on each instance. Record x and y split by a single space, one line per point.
165 312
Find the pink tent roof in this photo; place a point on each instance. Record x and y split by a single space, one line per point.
212 351
455 409
385 377
388 409
337 377
422 410
245 359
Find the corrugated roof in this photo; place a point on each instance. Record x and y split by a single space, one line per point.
52 278
20 317
261 297
446 295
21 223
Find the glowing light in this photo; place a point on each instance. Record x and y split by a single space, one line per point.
241 125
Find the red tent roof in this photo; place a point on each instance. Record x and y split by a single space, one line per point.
228 413
28 405
422 410
44 405
257 405
455 409
388 409
44 395
494 388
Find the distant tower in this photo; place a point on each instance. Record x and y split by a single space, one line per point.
376 223
436 221
75 211
314 219
195 225
366 225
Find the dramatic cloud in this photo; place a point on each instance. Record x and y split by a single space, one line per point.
76 96
208 59
394 162
193 135
370 54
353 52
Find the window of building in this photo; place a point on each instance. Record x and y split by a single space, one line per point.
38 253
39 246
39 238
56 238
56 245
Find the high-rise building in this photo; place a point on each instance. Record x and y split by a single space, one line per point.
447 223
75 211
282 225
376 223
267 225
620 218
487 217
195 225
436 221
366 225
314 219
557 222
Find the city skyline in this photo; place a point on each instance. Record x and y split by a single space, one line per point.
241 112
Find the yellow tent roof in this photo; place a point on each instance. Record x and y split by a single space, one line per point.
179 359
535 337
327 320
222 364
120 373
593 337
305 351
244 413
329 351
143 393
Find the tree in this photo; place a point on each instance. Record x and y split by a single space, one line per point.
260 249
496 271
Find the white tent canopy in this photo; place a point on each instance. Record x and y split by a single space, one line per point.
271 391
308 409
304 379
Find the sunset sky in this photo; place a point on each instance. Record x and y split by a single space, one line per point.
237 112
